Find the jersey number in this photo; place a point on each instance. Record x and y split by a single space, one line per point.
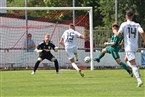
132 31
70 37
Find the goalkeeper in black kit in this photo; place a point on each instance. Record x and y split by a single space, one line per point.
44 53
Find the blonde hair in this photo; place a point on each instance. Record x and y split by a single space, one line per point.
46 35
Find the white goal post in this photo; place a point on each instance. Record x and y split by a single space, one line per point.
89 9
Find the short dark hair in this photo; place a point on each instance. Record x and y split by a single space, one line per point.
71 25
29 34
115 25
130 13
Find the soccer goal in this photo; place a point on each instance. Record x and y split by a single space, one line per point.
18 22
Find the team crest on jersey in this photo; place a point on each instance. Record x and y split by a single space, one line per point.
49 47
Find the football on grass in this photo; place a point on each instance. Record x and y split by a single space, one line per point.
87 59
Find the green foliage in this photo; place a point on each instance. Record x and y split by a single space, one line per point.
107 10
16 3
103 10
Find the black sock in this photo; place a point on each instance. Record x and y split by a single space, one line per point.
56 65
36 65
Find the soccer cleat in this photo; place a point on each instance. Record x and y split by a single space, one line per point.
139 84
96 59
33 73
82 75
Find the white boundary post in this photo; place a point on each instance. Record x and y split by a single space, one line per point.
91 37
64 8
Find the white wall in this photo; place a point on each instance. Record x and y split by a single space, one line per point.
108 60
13 30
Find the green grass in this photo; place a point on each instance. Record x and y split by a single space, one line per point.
97 83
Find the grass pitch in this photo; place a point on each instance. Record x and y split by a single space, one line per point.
46 83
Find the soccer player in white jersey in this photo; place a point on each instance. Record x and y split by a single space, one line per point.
130 29
68 40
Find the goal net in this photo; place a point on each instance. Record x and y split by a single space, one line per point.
18 23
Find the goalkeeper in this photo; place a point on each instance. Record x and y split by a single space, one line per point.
113 48
44 53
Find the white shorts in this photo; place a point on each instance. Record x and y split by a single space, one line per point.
130 55
70 52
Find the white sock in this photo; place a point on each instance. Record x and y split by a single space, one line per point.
136 73
75 66
129 64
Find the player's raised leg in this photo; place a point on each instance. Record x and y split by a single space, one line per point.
100 55
76 56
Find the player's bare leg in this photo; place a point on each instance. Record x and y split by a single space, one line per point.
128 63
136 73
76 67
76 56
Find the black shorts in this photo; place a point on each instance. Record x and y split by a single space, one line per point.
47 56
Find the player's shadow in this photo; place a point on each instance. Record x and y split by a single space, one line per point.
89 77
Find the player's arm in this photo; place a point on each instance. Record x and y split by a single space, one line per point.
142 33
54 47
116 32
82 36
62 42
121 43
38 49
109 43
31 46
143 36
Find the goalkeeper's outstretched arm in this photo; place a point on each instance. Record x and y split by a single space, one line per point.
38 50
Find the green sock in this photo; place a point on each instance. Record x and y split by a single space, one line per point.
125 66
101 55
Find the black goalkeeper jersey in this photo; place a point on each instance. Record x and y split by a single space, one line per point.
45 47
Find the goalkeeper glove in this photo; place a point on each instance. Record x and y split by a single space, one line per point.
56 49
38 51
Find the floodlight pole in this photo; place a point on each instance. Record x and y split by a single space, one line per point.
74 12
26 19
26 13
116 8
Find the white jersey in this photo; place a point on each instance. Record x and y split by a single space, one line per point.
69 37
130 30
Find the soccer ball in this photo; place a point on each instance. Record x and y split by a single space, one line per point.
87 59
